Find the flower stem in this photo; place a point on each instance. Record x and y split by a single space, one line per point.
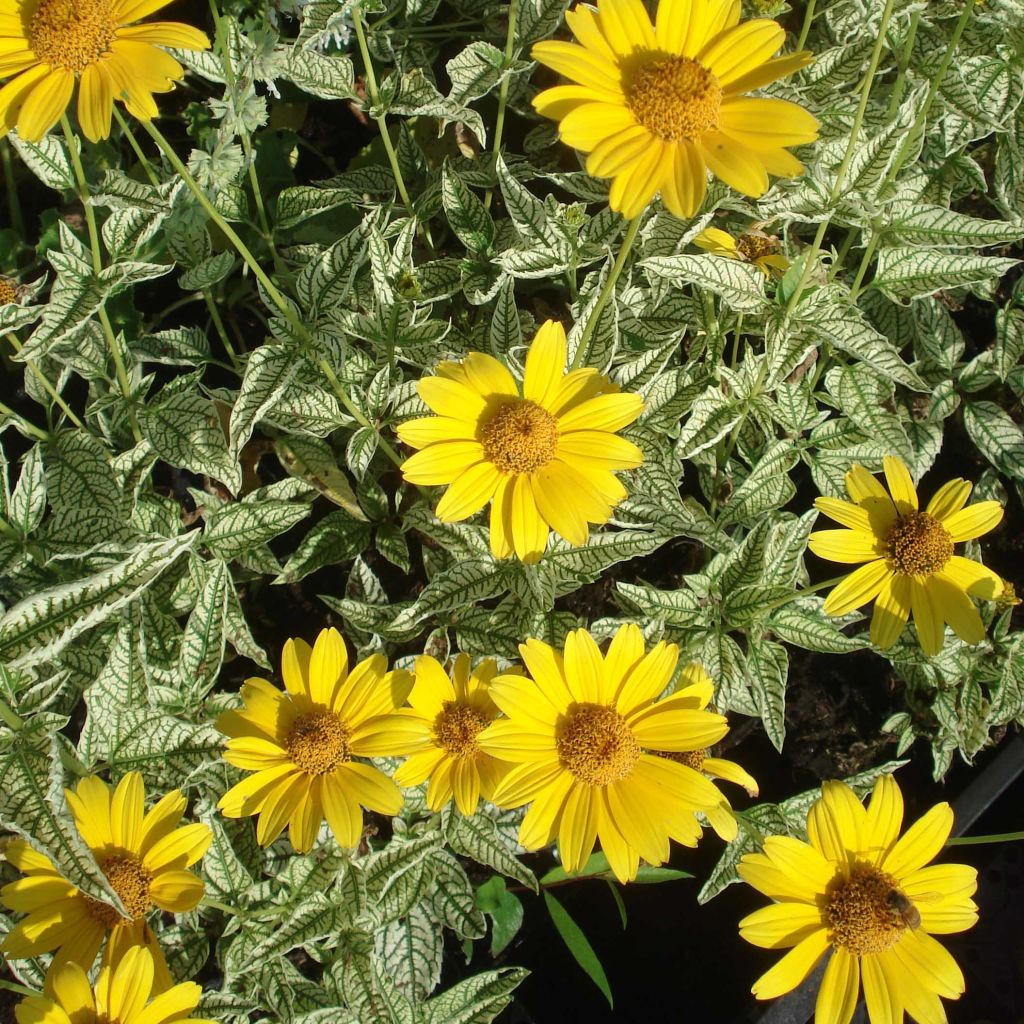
1003 837
903 64
810 257
47 386
97 266
371 85
283 305
499 124
805 28
13 206
911 137
29 428
609 287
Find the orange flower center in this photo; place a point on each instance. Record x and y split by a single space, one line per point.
863 911
520 437
691 758
318 742
918 544
456 728
72 34
675 98
596 744
131 881
7 292
753 247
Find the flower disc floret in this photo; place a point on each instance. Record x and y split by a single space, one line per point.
858 911
521 437
918 545
457 727
72 34
131 881
676 98
318 742
8 294
596 745
752 248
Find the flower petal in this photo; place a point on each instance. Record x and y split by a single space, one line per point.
892 609
847 546
840 987
921 842
974 521
860 587
791 970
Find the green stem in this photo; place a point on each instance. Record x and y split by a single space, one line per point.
285 307
13 206
813 589
810 258
140 155
224 908
47 386
13 986
222 333
1003 837
911 137
371 85
806 27
29 428
609 287
903 64
97 266
499 124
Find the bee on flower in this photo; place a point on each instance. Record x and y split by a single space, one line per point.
655 106
50 45
910 564
860 889
754 247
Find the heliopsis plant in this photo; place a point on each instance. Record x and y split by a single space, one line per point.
655 106
125 993
145 856
871 896
449 713
579 731
910 565
543 455
49 45
302 745
753 247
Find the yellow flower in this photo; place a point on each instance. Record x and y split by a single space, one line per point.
301 744
909 555
144 856
449 714
122 995
751 247
655 107
544 458
578 732
861 890
49 44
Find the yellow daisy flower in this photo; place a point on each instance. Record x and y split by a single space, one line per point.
578 732
656 106
8 291
144 856
751 247
450 712
545 457
48 44
864 892
122 995
909 555
301 744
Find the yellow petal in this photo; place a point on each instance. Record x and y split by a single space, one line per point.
882 1000
956 608
45 103
442 463
974 521
928 621
590 123
182 848
860 587
626 26
166 33
892 609
721 243
577 830
585 67
545 363
734 164
769 71
468 493
901 485
972 578
767 123
780 925
371 787
741 50
685 181
343 814
840 987
635 187
618 153
847 546
921 842
949 498
452 398
836 823
647 679
95 102
488 377
930 962
529 530
791 970
884 818
328 666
